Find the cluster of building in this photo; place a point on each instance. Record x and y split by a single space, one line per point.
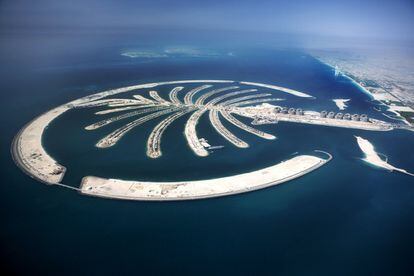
292 111
323 114
346 116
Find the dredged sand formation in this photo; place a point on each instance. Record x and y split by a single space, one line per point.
372 157
341 103
212 101
184 190
219 102
27 147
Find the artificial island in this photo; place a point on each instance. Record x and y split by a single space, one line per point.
220 99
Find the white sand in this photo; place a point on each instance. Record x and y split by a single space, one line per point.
396 108
29 153
283 89
341 103
142 190
27 148
373 158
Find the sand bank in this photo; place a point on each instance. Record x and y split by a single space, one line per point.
341 103
372 157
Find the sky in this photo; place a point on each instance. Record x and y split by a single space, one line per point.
368 18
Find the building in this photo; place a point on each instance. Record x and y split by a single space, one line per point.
331 115
364 117
355 117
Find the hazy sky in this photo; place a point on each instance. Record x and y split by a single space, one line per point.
358 18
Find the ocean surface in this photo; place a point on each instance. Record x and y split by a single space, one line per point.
346 218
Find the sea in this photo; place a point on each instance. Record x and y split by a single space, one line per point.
346 218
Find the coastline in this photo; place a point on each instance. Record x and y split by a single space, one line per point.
359 86
373 96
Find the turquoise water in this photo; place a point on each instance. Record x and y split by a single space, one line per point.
345 218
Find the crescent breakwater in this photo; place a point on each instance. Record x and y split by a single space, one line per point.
187 190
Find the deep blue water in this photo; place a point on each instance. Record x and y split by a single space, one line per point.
346 218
